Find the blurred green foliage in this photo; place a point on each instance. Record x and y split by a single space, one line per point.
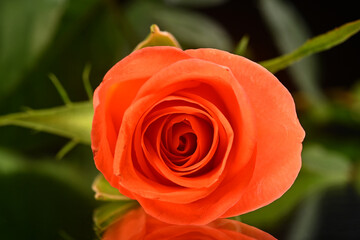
44 198
26 30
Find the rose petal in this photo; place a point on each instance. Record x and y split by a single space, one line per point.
279 132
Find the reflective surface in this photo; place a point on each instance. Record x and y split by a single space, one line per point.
136 224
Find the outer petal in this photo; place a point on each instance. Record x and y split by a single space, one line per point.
116 93
280 135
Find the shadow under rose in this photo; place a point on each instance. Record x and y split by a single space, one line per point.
136 224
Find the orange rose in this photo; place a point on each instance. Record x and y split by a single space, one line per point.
195 135
136 225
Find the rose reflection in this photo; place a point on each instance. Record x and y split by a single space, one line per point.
136 224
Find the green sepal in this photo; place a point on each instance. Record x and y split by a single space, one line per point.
158 38
105 192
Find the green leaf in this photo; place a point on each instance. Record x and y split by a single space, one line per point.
108 213
191 29
104 191
158 38
314 45
289 31
71 121
332 165
26 28
242 46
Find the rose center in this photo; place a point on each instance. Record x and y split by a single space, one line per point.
182 143
181 139
187 144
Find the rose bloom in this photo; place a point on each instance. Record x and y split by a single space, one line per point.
195 135
137 225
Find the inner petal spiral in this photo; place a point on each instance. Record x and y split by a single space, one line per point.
187 144
183 141
180 142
